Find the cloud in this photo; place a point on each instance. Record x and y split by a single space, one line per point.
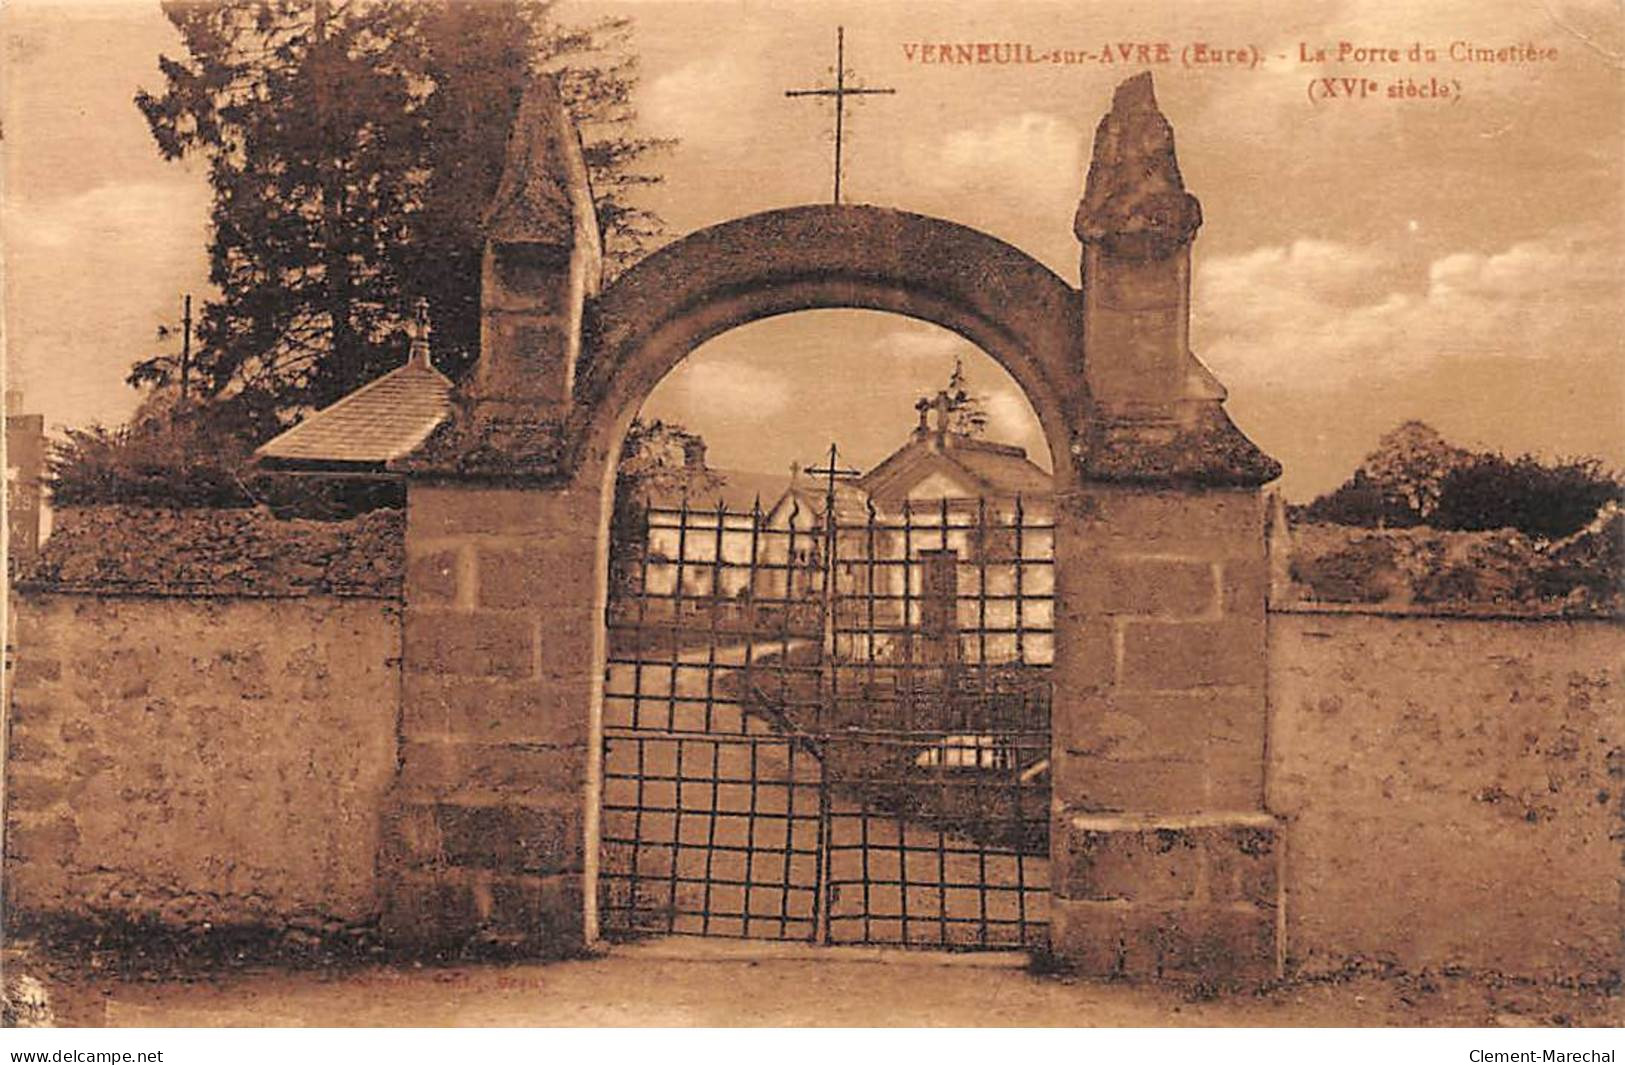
699 383
1566 267
1264 283
131 214
1316 315
1033 154
1010 417
706 100
921 342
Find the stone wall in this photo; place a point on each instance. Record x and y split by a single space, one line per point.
1445 783
1452 789
122 550
200 762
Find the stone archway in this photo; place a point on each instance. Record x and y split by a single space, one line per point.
1164 860
824 256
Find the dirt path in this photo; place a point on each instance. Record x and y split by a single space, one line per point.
690 982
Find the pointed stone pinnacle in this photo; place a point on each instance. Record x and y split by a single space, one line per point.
1134 203
544 196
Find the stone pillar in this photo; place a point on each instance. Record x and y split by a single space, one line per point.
1164 860
543 260
486 839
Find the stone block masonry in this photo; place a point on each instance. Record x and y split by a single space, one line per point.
506 573
1188 898
485 841
1165 864
1165 703
199 762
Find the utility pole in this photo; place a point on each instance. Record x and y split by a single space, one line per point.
186 347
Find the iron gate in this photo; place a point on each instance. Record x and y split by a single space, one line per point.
830 724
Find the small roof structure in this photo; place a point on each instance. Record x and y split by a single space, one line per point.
939 462
382 420
979 468
810 492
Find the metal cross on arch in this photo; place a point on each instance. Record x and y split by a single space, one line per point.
840 93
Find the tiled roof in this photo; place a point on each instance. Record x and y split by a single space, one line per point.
812 492
1007 473
379 421
996 470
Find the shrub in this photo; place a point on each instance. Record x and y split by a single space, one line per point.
185 463
1547 502
1361 501
196 458
1415 478
1365 571
1590 564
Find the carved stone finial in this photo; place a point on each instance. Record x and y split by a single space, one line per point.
1134 203
542 263
544 196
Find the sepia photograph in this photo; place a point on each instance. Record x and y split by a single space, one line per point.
766 514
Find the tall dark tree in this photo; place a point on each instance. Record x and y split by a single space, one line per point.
352 146
1365 502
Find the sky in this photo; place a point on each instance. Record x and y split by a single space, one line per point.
1362 261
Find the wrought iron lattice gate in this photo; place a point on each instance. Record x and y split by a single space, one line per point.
830 724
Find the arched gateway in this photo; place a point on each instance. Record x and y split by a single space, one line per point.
825 256
1163 859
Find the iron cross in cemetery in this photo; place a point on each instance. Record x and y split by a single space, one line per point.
840 93
832 471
